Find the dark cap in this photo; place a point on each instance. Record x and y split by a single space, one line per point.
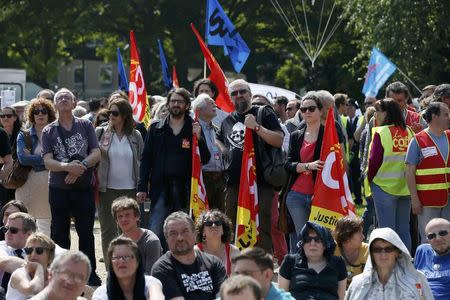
442 90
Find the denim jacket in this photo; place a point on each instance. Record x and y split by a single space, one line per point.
34 159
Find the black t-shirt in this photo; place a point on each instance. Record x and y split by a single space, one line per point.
306 283
5 148
199 281
232 133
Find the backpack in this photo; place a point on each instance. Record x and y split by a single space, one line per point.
272 161
19 173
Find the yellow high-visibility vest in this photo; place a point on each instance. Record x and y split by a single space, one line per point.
391 176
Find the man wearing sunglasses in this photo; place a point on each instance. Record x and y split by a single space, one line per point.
70 150
433 259
17 229
231 141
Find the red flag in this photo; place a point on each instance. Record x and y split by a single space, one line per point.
217 76
137 92
332 198
199 200
175 82
247 219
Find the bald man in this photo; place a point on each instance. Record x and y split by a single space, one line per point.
433 259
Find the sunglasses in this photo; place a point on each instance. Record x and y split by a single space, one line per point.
433 235
210 223
388 249
13 230
240 92
122 257
63 97
308 108
9 116
309 239
115 113
38 250
43 111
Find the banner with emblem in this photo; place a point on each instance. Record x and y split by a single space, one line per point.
332 197
199 199
137 93
247 219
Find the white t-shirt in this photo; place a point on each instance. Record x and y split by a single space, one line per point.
120 174
100 293
12 293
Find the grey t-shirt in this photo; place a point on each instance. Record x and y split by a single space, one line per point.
80 141
150 249
414 155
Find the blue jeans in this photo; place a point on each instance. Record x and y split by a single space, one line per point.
393 212
65 203
158 214
299 207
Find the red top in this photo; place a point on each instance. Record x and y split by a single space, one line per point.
227 256
305 182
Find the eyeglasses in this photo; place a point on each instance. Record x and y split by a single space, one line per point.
433 235
122 257
210 223
115 113
39 250
69 276
9 116
174 101
63 97
388 249
43 111
102 121
240 92
368 103
309 239
13 230
308 108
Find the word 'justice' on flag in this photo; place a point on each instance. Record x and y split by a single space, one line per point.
332 197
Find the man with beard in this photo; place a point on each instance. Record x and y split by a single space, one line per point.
186 273
167 161
231 141
433 259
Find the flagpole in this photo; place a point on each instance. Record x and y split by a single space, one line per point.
204 68
401 72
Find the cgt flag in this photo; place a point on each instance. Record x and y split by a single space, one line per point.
247 219
199 199
137 92
223 100
332 198
165 69
175 81
123 81
379 70
220 31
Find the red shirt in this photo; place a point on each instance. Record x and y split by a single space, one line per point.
305 182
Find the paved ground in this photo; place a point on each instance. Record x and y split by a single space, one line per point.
101 271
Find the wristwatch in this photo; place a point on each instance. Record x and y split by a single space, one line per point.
307 167
85 163
257 128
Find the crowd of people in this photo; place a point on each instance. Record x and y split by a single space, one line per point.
88 158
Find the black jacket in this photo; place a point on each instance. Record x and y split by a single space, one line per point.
154 156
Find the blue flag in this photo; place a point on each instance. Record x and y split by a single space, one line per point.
165 69
123 81
220 31
379 70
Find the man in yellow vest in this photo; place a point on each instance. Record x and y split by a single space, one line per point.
428 168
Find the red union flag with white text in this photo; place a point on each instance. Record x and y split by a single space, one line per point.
332 197
247 219
137 93
199 199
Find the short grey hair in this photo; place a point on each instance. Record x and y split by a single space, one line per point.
324 96
74 256
79 111
200 101
28 221
61 91
239 81
178 216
